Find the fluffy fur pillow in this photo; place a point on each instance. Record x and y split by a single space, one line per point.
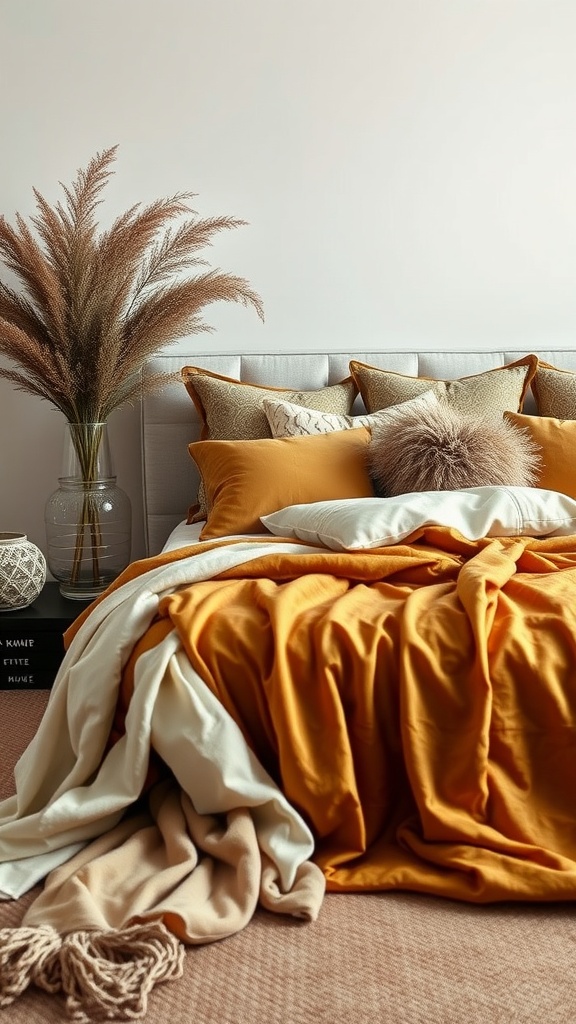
441 449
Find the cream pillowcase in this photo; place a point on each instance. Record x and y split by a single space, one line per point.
348 525
286 419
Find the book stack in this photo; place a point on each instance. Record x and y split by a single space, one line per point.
31 640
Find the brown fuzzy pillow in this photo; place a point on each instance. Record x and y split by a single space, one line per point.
441 449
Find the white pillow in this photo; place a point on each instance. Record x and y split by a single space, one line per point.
289 420
353 523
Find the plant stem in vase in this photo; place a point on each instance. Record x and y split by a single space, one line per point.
88 518
91 306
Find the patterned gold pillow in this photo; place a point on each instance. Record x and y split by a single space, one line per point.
555 392
493 391
231 410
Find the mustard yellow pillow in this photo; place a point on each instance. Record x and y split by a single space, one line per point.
231 410
557 441
493 391
244 480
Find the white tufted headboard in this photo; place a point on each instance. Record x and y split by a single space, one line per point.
170 423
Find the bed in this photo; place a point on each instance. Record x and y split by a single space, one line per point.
325 675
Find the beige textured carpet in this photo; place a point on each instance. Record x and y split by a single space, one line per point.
392 958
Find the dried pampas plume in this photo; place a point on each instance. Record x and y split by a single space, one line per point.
94 306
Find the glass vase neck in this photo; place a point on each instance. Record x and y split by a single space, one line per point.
86 453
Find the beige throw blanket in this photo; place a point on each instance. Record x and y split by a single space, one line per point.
110 922
188 863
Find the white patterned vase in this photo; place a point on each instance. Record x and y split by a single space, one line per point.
22 571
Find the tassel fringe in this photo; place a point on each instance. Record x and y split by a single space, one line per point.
25 954
103 975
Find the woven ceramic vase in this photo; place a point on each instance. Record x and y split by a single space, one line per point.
22 571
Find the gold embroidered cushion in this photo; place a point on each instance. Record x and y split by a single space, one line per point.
493 391
555 392
231 410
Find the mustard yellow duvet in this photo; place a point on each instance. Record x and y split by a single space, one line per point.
416 704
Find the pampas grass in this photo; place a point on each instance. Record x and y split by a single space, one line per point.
95 305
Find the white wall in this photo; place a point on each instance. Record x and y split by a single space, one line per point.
408 169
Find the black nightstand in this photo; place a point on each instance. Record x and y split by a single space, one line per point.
31 640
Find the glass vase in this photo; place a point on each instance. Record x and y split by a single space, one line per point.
88 518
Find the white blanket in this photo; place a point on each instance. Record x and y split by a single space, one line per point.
70 789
